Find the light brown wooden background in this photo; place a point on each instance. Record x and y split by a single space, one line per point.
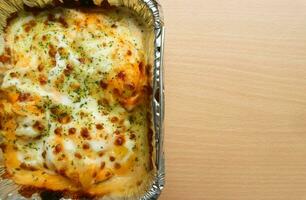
235 75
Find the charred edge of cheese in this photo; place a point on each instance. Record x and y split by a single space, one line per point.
76 89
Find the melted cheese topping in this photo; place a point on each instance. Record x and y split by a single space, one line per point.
74 101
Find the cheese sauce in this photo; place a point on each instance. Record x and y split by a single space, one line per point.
74 101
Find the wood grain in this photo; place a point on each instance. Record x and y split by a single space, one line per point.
235 75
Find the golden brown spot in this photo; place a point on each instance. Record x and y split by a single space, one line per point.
38 126
54 111
43 154
77 23
101 153
71 131
107 174
4 58
86 146
114 119
139 183
102 165
78 155
117 165
141 67
64 119
114 26
132 136
129 52
117 132
60 159
45 165
44 37
29 25
58 148
27 191
63 22
40 67
27 28
85 133
23 165
27 167
24 97
61 51
103 85
103 102
32 23
58 131
13 74
82 60
119 141
68 70
59 81
94 174
121 122
53 62
74 176
116 91
42 79
99 126
61 172
51 17
82 114
2 145
112 158
52 51
121 75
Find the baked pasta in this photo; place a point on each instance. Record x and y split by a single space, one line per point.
74 101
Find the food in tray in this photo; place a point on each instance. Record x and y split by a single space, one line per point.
75 101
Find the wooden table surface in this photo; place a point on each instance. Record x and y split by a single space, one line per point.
235 79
